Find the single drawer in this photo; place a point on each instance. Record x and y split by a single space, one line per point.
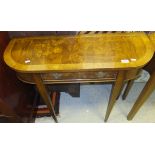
80 76
71 77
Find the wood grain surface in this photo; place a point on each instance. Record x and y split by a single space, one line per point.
81 52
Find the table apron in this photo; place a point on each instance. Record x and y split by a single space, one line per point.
79 77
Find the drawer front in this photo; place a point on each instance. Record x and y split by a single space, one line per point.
80 76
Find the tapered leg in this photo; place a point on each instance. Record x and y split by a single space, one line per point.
115 92
146 92
127 89
43 92
55 97
120 91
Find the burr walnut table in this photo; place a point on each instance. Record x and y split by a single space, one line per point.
79 59
149 87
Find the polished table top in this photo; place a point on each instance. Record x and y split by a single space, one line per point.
81 52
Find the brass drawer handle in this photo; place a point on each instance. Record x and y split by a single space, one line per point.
56 75
101 74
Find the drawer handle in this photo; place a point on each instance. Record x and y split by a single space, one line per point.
57 75
101 74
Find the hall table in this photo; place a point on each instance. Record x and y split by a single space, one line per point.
79 59
148 88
